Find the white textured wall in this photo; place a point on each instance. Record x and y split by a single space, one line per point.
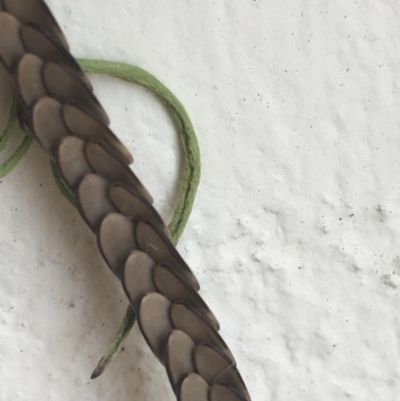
296 228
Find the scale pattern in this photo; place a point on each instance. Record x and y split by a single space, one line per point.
72 127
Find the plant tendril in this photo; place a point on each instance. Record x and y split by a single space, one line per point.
15 158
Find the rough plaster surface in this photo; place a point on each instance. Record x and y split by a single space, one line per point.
296 228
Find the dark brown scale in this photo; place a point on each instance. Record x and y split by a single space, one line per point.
46 47
86 127
11 47
92 199
157 245
193 388
179 357
197 328
116 240
215 367
29 81
134 205
114 170
137 277
210 363
71 160
169 283
154 321
47 124
35 12
67 88
225 393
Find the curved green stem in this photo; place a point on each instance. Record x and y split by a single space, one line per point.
183 125
16 157
24 146
117 343
62 186
10 125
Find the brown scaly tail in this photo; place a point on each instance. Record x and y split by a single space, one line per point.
72 127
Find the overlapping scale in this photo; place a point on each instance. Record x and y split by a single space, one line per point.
112 169
216 368
47 123
137 276
66 87
116 240
155 243
72 127
225 393
29 78
193 388
172 286
210 363
197 328
49 50
133 204
11 47
155 323
71 160
179 357
92 199
86 127
35 12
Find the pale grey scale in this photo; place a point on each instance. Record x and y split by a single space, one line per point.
86 127
137 277
92 199
224 393
71 160
179 357
11 47
35 12
216 368
116 240
134 205
43 45
195 326
193 388
29 79
66 87
112 168
171 285
154 321
155 243
47 123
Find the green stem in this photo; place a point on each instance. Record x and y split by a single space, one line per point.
62 186
116 345
16 157
183 125
24 146
10 125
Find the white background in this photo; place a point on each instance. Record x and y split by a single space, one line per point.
296 228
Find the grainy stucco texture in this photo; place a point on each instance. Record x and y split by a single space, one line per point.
295 232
